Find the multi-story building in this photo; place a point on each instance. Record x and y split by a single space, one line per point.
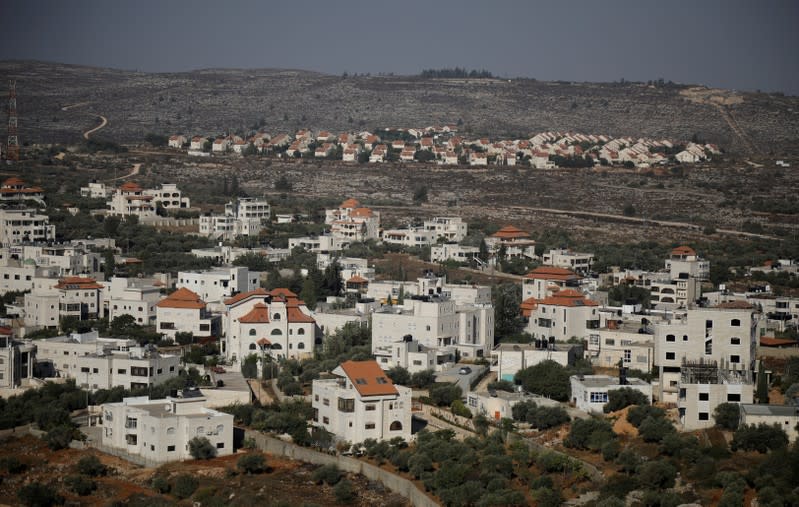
683 262
704 385
564 258
94 190
453 251
318 244
544 281
436 322
184 311
79 297
243 217
226 254
103 363
267 323
169 196
216 284
450 229
726 334
136 297
627 342
64 259
564 315
511 243
24 226
669 293
361 403
416 237
590 392
351 222
160 430
131 200
15 189
784 416
430 285
16 359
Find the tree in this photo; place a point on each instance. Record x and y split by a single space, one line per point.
80 484
59 437
762 384
251 463
309 294
201 448
458 408
344 492
624 397
156 140
654 429
659 474
91 466
589 434
507 314
445 394
36 494
761 438
184 337
547 378
727 415
629 210
249 367
329 474
185 486
399 375
423 379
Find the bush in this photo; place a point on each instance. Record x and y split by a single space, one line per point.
638 413
458 408
548 378
13 465
185 486
658 474
344 492
655 429
610 450
445 394
252 464
160 484
727 415
91 466
399 375
761 438
422 379
80 484
589 434
59 437
546 497
624 397
201 448
37 494
329 474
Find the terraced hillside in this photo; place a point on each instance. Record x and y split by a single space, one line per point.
213 101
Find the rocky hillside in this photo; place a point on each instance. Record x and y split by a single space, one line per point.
208 102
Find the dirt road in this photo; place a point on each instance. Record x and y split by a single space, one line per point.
103 123
133 172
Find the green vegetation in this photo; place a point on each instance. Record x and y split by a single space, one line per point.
184 486
761 438
540 417
624 397
546 378
252 463
201 448
727 415
36 494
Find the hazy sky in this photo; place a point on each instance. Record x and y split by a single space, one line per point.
726 43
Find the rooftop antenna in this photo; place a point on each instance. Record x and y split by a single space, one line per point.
12 148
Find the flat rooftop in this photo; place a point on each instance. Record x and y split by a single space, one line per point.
773 410
607 381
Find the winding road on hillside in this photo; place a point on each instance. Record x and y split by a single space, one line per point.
103 119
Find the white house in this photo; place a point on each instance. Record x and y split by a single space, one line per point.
784 416
589 393
268 323
131 296
160 430
352 222
565 258
131 200
24 225
562 316
514 242
177 141
545 281
453 251
217 284
243 217
94 190
360 403
168 196
17 359
183 311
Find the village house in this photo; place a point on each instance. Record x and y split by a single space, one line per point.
361 402
545 281
136 297
131 200
184 311
168 196
564 315
95 190
351 222
378 153
511 242
625 342
197 143
454 252
216 284
221 145
15 189
565 258
243 217
177 141
274 324
589 393
17 359
24 226
160 430
508 358
784 416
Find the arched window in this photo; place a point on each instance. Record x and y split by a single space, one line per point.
395 426
200 430
170 431
252 332
276 316
220 428
301 331
252 346
276 332
735 322
277 346
301 345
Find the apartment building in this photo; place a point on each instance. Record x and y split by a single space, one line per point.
544 281
268 323
627 342
226 254
24 226
17 359
131 200
563 315
169 196
683 262
416 237
95 190
64 259
103 363
454 252
430 285
136 297
318 244
215 285
704 385
361 402
160 430
352 222
243 217
450 229
565 258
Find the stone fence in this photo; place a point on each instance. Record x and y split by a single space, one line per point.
391 481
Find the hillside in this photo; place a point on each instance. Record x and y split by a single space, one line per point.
213 101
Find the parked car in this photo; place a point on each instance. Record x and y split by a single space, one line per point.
465 370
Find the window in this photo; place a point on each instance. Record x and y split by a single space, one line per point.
325 420
417 362
703 416
170 448
205 327
670 355
301 331
301 345
95 370
252 332
325 402
704 396
670 338
708 347
276 332
167 325
369 426
382 380
346 405
735 322
598 397
316 397
628 355
610 341
395 426
735 359
138 371
369 407
685 337
84 370
733 397
170 431
220 445
276 316
252 346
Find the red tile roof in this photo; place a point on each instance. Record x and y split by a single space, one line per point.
182 298
768 341
130 186
77 282
244 295
361 213
295 315
683 250
510 232
263 341
258 315
13 182
552 273
528 306
350 203
368 378
6 331
568 297
357 279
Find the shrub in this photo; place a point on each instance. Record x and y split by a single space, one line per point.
445 394
658 474
185 485
546 497
329 474
610 450
91 466
422 379
13 465
727 415
458 408
761 438
59 437
201 448
80 484
655 429
251 464
589 434
160 484
37 494
344 491
638 413
399 375
624 397
548 378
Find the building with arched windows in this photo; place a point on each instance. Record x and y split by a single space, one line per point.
274 324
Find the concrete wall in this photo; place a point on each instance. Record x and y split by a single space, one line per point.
393 482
